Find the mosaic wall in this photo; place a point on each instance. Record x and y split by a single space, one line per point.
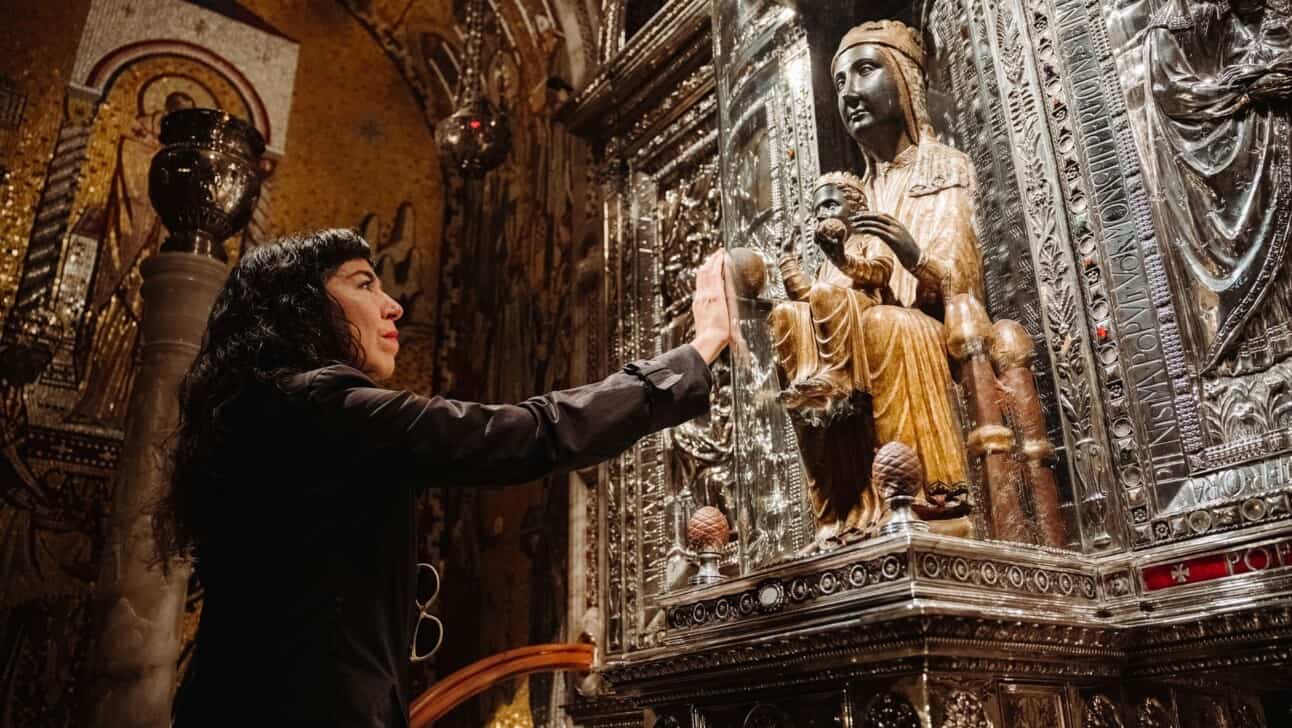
370 81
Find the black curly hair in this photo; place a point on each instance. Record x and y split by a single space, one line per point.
264 325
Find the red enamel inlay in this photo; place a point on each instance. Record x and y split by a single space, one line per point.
1217 565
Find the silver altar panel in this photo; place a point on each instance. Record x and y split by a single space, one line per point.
1171 604
1215 170
1168 470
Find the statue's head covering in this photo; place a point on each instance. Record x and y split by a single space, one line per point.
903 52
854 190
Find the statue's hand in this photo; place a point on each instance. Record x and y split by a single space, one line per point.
893 233
789 245
830 235
1240 74
1274 86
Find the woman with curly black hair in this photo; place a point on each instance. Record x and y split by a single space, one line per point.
295 474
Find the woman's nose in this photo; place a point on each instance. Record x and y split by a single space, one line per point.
393 311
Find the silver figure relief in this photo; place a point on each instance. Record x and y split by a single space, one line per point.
956 707
1207 85
699 452
889 710
1100 712
1217 142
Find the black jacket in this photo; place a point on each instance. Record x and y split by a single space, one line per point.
310 569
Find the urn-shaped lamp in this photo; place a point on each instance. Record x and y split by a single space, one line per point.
205 181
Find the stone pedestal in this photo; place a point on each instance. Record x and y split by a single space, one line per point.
140 607
929 631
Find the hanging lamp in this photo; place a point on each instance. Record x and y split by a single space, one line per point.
476 137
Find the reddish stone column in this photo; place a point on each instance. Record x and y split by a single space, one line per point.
1011 352
991 442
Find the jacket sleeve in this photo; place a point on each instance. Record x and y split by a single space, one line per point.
449 442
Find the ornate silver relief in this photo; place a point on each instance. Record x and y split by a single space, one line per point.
614 212
669 214
964 72
1151 400
1151 713
1101 712
699 460
1032 708
960 709
889 710
1061 310
1221 210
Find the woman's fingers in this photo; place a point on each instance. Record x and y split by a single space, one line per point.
709 307
709 276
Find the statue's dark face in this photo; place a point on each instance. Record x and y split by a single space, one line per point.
869 102
830 202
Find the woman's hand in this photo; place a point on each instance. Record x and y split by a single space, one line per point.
709 307
892 232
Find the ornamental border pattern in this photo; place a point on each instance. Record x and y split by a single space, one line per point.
774 595
1063 314
613 206
1102 328
1058 649
778 594
1224 629
698 85
1224 516
1003 576
1123 205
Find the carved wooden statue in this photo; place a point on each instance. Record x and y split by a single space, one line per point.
901 248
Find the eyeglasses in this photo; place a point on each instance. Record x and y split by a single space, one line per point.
429 632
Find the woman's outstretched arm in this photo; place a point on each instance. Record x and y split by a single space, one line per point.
465 443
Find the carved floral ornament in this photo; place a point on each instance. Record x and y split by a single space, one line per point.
889 710
1101 712
963 709
1151 713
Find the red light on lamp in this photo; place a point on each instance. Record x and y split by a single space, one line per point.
474 124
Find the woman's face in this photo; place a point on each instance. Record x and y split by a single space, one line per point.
372 314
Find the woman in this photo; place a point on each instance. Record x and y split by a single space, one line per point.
295 476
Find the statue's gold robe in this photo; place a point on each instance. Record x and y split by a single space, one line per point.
929 188
890 343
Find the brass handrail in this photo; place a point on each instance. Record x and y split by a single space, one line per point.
450 692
